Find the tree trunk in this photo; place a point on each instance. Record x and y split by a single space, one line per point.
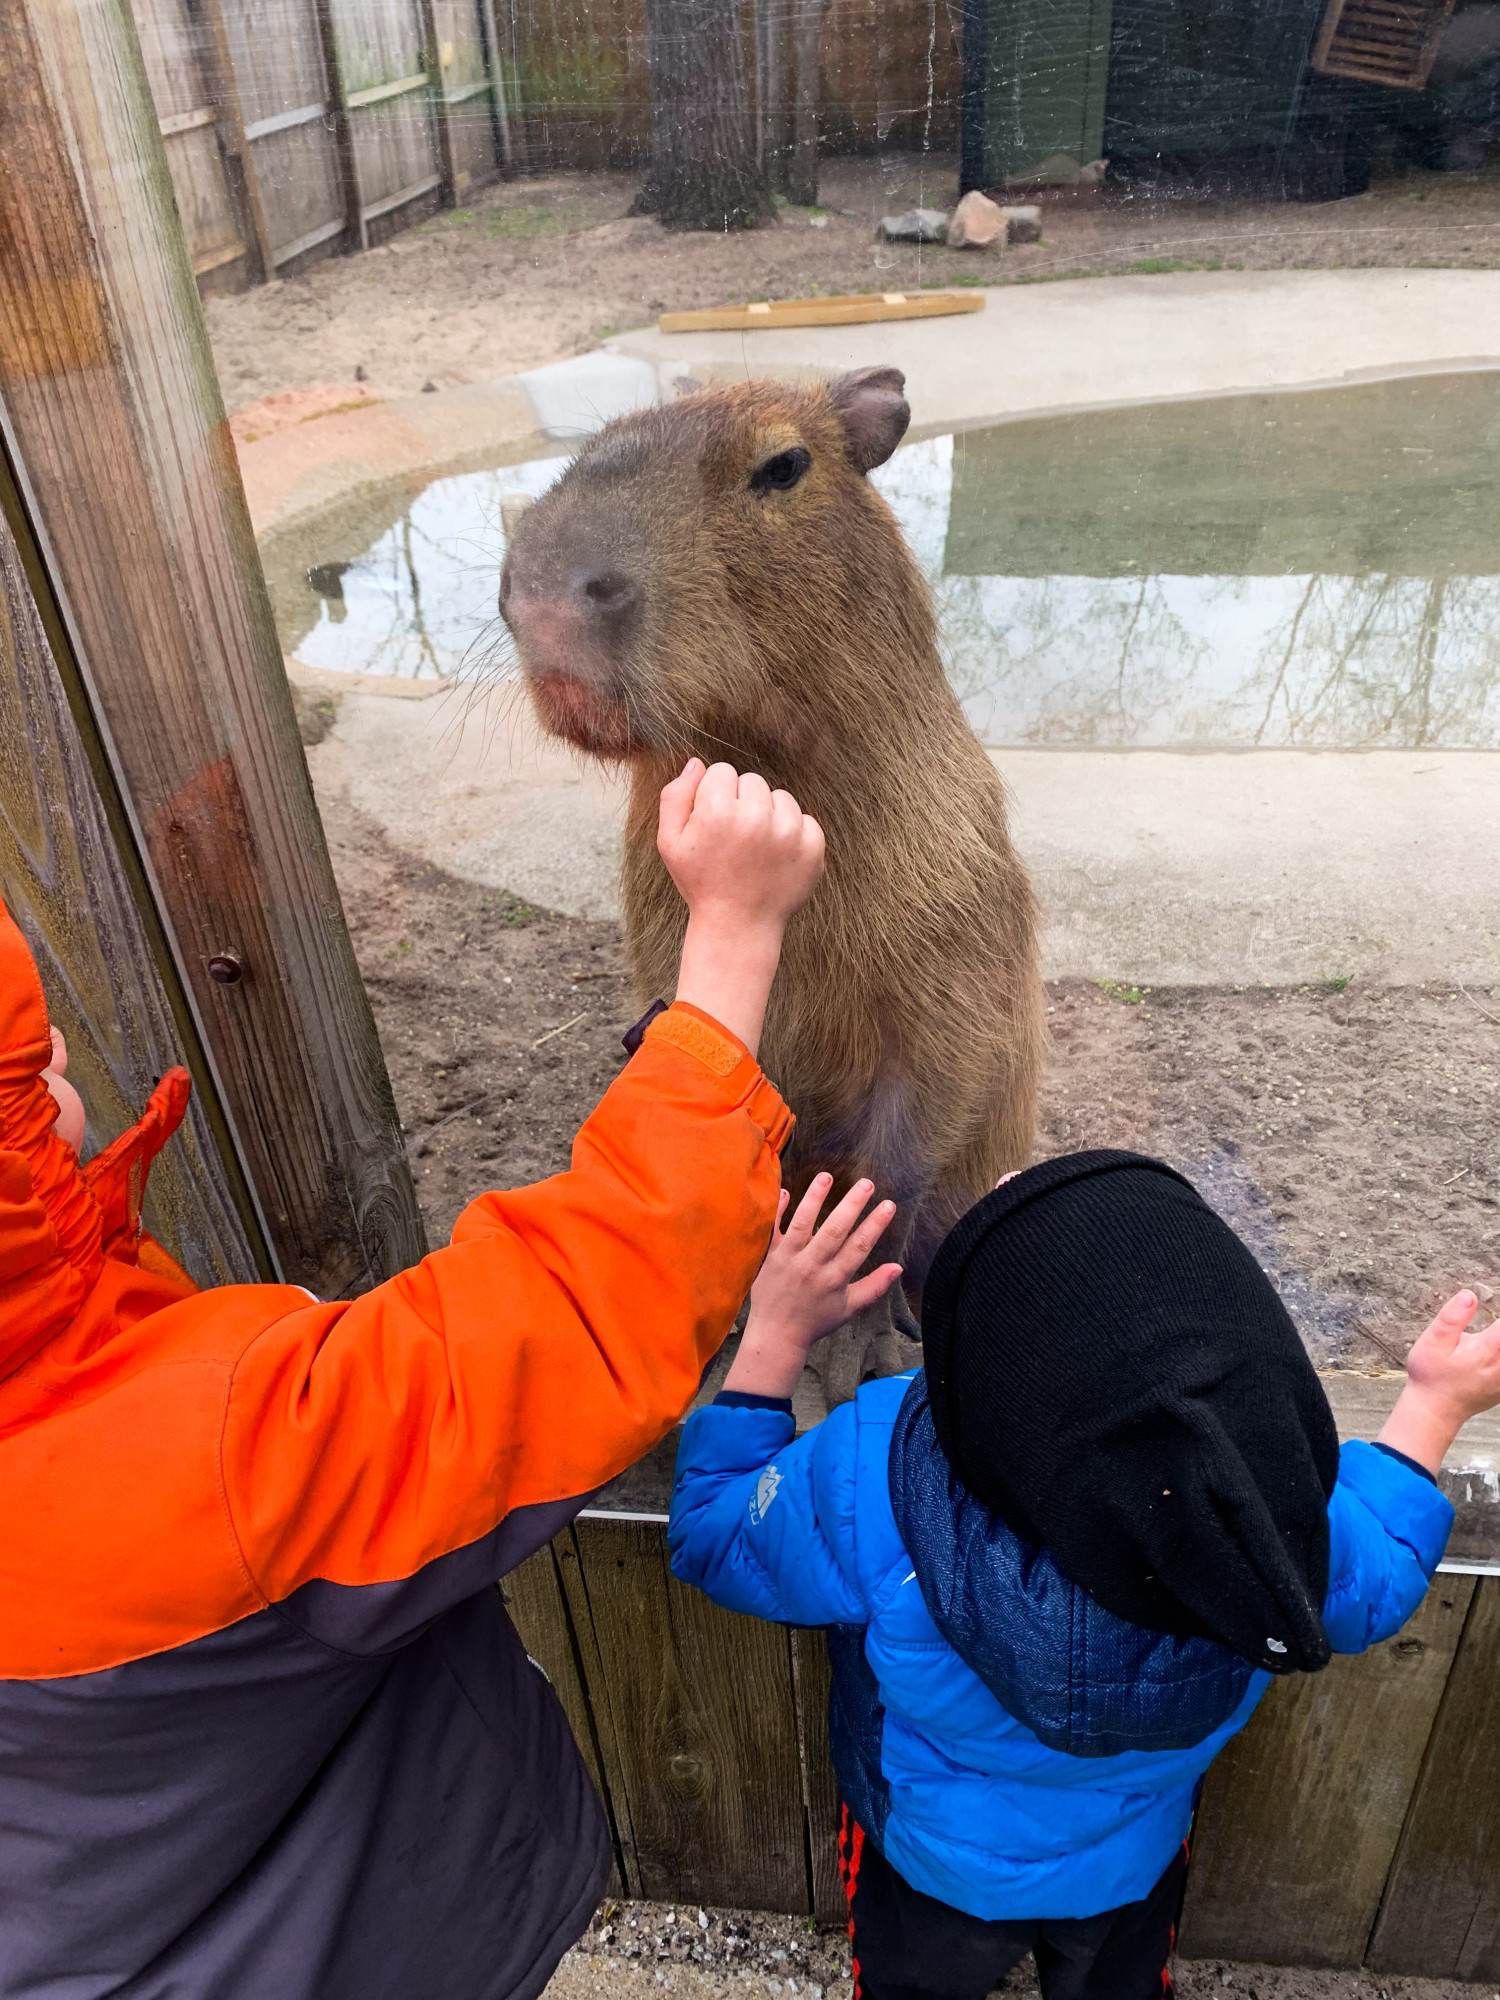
770 92
704 173
802 180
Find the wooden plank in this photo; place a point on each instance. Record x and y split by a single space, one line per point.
186 121
851 310
324 233
1302 1813
533 1595
1441 1915
285 121
500 104
71 879
442 130
591 1667
811 1681
379 92
290 121
702 1712
173 51
212 259
127 472
355 229
240 167
400 198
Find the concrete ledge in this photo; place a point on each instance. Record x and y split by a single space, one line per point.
1039 349
1156 867
295 476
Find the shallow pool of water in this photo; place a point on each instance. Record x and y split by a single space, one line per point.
1318 569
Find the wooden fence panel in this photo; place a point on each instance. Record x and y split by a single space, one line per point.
539 1612
388 97
1301 1813
700 1702
176 49
1441 1915
890 75
583 85
113 422
820 1792
289 116
65 881
468 106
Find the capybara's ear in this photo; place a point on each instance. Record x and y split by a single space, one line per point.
686 385
873 409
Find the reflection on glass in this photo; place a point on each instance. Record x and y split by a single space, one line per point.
1316 569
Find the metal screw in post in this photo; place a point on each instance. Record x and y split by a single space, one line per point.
226 968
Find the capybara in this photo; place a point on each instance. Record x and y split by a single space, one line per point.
718 578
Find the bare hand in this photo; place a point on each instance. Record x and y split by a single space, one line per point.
1451 1376
739 852
807 1286
744 858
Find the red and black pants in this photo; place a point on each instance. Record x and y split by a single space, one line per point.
908 1946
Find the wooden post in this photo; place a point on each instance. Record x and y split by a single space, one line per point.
236 148
438 93
356 231
802 179
127 475
770 91
505 140
71 878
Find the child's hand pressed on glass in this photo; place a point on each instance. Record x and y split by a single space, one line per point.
744 858
1451 1375
808 1285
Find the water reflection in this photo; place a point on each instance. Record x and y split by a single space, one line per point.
420 601
1313 570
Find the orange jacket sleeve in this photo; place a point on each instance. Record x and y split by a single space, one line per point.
552 1343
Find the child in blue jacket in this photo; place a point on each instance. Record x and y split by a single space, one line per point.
1060 1565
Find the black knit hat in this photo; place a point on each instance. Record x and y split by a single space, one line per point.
1112 1372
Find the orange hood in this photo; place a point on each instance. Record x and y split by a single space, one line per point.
61 1224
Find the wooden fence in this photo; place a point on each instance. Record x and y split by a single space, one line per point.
1356 1822
159 842
320 125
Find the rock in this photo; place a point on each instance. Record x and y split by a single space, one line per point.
1022 225
918 225
977 224
1059 170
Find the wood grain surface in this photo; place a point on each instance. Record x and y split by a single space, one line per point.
811 1682
539 1612
700 1704
127 474
103 968
1302 1813
1441 1914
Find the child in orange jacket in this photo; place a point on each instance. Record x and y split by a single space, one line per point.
266 1732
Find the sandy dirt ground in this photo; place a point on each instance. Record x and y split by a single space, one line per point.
1346 1130
641 1951
544 267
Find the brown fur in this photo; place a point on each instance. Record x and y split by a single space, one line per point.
792 634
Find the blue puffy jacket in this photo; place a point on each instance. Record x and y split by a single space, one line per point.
943 1639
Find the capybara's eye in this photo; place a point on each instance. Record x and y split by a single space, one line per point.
781 473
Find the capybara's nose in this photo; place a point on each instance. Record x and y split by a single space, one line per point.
608 593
